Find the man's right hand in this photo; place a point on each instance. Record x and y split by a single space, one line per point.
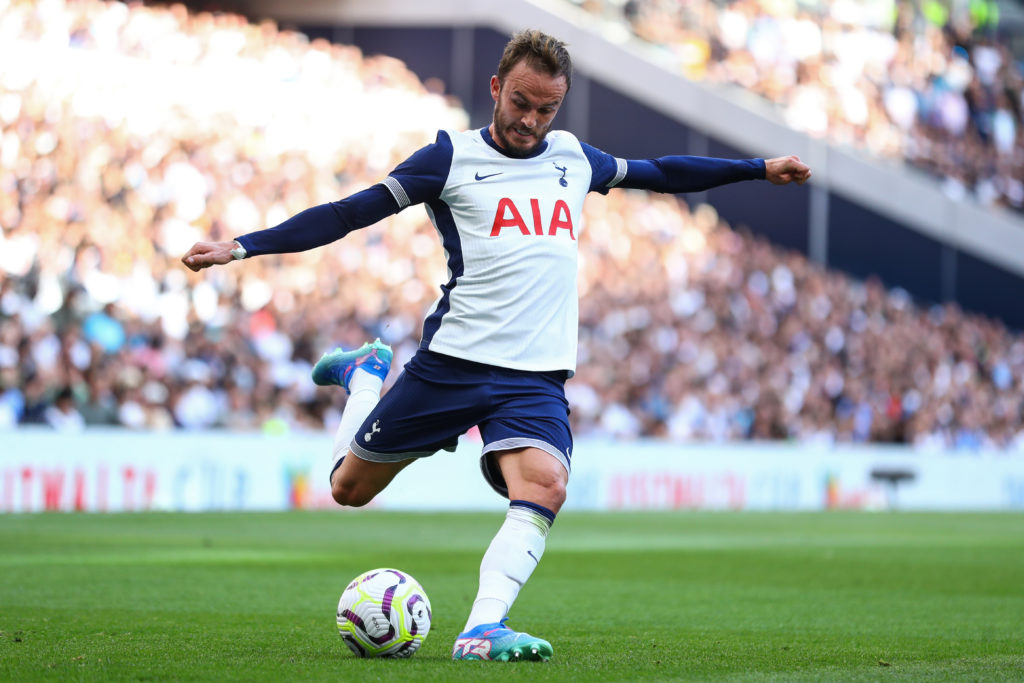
206 254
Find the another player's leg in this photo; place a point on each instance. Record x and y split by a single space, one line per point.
536 490
361 373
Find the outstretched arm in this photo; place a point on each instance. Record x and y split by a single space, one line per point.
418 179
309 229
695 174
680 173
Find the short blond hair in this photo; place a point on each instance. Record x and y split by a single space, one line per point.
541 52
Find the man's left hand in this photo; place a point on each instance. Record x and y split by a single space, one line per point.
784 170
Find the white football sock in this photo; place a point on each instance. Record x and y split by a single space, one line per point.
364 392
510 559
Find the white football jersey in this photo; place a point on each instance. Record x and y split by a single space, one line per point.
510 228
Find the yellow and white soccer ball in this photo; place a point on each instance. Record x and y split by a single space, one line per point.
384 613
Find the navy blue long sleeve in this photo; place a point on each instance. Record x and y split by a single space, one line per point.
322 224
688 173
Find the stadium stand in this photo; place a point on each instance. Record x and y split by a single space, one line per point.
939 88
690 330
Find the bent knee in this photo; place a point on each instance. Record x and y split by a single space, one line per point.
349 494
548 491
556 494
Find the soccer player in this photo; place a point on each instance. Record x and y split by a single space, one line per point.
500 342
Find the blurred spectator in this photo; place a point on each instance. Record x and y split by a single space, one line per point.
63 416
104 330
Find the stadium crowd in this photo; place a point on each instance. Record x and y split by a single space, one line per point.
929 81
689 330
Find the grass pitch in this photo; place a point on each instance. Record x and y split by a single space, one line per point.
622 597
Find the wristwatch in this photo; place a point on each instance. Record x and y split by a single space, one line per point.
238 253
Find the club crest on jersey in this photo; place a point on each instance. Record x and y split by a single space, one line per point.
508 215
562 181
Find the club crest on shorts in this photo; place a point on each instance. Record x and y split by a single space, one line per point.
373 430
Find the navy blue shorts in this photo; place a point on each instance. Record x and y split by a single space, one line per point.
437 398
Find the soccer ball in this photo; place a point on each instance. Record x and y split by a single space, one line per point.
384 613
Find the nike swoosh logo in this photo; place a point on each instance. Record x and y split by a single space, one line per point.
530 553
485 177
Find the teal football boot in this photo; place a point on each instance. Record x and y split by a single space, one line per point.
337 366
498 643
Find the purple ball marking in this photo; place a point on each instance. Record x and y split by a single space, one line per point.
384 638
405 646
411 605
389 596
354 618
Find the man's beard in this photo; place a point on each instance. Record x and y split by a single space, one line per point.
506 144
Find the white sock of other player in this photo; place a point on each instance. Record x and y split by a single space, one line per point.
510 559
364 392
